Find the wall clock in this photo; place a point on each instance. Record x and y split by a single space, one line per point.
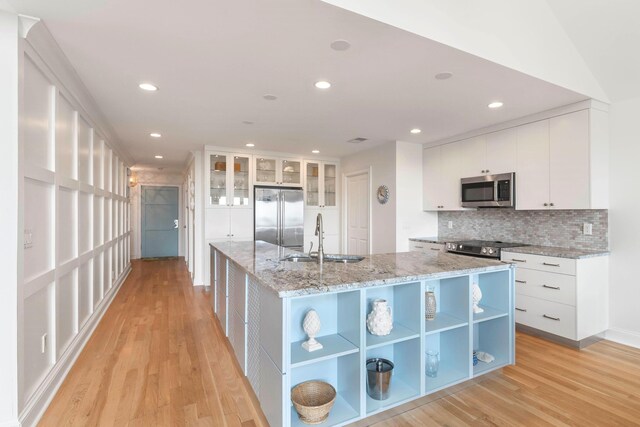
383 194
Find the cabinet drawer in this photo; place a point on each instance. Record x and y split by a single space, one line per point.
238 339
238 290
425 246
542 263
548 316
547 286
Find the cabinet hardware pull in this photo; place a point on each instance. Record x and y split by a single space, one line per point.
518 260
551 204
521 309
419 247
546 204
435 249
482 170
521 281
551 287
550 265
550 317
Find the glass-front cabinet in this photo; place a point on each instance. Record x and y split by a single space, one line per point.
229 180
321 184
278 171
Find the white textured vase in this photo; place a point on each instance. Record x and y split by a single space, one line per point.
477 296
311 326
380 320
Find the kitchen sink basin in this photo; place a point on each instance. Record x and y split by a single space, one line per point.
346 259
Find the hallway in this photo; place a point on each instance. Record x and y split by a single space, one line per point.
157 358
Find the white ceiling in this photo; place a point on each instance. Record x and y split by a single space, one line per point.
213 61
607 35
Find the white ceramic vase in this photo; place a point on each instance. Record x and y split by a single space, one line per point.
477 296
311 326
380 320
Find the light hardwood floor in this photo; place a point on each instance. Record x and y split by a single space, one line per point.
158 358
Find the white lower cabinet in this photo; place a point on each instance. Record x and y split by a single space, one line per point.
238 339
561 296
425 246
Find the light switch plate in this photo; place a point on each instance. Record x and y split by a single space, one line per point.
450 224
587 229
28 238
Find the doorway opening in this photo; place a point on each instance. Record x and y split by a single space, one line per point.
357 213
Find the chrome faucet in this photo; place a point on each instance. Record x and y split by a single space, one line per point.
320 234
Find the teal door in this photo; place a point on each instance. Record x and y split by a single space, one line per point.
159 222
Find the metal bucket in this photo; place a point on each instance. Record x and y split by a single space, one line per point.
379 378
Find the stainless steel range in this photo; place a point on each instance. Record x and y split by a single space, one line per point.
480 248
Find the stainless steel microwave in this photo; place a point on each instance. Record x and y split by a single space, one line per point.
489 191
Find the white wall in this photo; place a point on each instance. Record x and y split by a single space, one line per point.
382 160
155 178
523 35
73 231
411 220
624 226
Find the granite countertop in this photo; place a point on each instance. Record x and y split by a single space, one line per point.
287 279
557 252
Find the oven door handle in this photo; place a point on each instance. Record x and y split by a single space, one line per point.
495 190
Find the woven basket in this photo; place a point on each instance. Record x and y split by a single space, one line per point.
313 400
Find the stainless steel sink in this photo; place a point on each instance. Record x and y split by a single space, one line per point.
343 258
346 259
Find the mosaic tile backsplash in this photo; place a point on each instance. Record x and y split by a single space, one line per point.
561 228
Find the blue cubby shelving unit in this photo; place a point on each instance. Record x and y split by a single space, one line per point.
455 333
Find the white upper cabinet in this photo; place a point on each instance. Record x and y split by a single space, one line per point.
278 171
569 161
472 156
563 162
441 177
501 151
321 184
431 176
532 177
228 180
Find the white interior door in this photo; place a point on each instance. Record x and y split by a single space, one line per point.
358 214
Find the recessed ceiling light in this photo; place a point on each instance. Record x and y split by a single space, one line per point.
322 84
155 135
444 76
415 131
148 86
315 151
250 145
496 104
270 97
340 45
159 157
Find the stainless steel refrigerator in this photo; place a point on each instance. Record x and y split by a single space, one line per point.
279 216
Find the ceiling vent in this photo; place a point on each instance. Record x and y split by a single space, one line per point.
357 140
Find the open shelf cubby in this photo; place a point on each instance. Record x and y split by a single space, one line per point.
493 337
453 347
495 295
404 301
452 302
340 326
343 373
405 384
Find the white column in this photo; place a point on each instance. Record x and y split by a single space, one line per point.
10 264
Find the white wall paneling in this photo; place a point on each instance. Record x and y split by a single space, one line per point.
75 232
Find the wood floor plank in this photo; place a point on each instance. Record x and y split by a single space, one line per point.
159 358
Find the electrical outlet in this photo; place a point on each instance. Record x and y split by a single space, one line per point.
450 224
43 344
587 229
28 238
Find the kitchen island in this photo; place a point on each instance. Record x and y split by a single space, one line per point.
261 300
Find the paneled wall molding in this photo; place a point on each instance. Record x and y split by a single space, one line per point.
40 44
36 406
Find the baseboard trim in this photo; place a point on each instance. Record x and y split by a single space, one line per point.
36 406
558 339
622 336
